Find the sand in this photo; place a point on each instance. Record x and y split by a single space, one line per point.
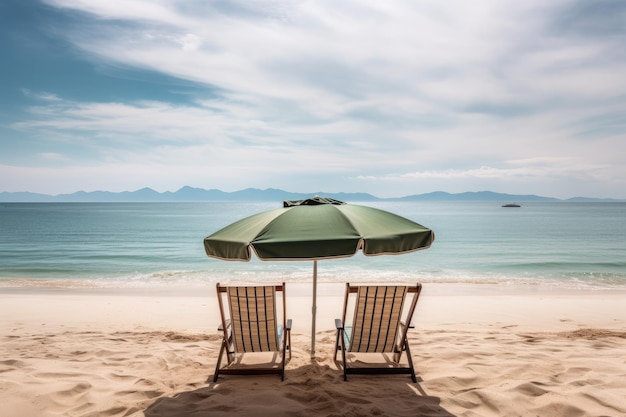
478 351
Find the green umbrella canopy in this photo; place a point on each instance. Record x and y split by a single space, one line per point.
317 228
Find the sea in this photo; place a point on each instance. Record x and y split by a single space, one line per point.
562 245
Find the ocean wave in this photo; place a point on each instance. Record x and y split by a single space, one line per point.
204 279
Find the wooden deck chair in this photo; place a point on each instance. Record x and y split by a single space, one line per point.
251 325
377 326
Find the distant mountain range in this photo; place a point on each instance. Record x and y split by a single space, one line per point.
190 194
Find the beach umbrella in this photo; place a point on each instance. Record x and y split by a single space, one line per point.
314 229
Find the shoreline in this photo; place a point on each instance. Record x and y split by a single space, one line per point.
302 287
195 309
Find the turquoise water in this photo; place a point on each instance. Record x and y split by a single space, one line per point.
570 245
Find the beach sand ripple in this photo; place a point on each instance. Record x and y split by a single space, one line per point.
167 374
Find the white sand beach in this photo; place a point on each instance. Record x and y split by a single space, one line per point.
478 351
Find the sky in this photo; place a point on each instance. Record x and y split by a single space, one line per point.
389 98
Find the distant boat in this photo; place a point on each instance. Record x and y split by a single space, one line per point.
511 205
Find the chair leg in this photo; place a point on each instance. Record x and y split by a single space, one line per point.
410 360
219 361
284 354
282 368
289 347
343 358
337 344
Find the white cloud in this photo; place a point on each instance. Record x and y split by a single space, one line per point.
190 42
136 10
520 170
53 156
371 92
40 95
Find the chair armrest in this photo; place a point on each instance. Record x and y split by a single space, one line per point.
288 325
338 324
220 328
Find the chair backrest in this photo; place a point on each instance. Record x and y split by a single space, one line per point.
253 318
377 317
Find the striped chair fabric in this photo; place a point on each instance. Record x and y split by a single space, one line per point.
251 324
377 326
377 314
253 319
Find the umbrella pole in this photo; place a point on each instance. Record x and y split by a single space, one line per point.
314 309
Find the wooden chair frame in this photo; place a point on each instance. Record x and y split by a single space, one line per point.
400 343
229 343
